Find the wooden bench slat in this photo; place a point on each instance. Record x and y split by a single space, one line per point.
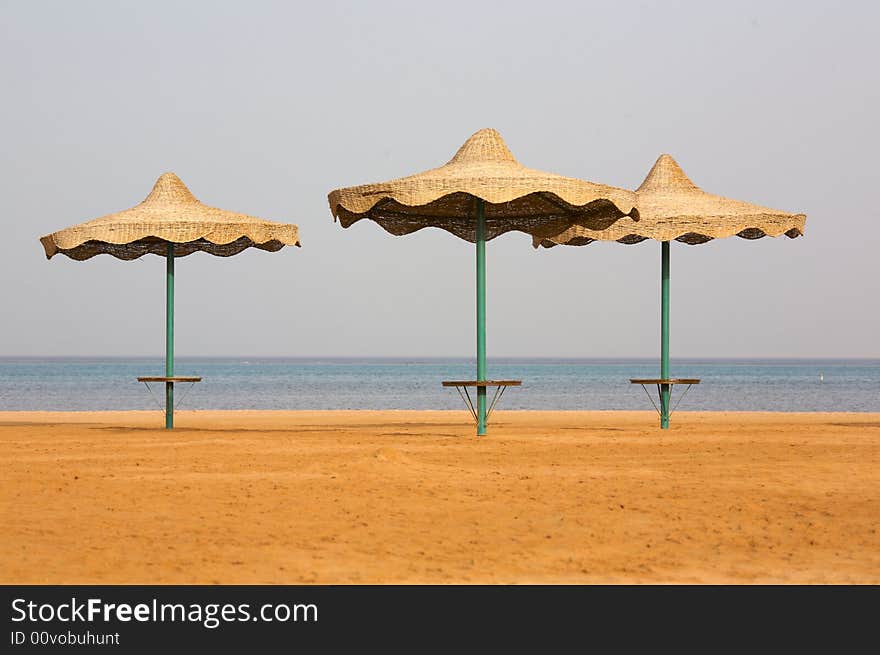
156 378
481 383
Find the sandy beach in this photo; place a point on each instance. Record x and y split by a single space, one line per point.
341 497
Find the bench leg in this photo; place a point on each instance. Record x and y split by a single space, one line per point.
169 405
481 410
664 405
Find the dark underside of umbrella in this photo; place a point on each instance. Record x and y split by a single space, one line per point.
690 238
157 246
540 214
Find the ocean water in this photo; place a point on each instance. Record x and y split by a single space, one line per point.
238 383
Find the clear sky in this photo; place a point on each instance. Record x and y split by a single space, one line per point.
264 107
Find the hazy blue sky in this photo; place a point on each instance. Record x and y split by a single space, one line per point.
264 107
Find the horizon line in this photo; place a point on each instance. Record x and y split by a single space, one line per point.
466 357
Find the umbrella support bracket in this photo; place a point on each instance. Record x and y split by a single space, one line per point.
169 380
666 383
462 387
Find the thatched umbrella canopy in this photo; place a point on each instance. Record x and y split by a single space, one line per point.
671 207
169 215
481 193
170 222
484 171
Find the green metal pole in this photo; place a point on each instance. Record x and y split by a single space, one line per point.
664 335
481 316
169 336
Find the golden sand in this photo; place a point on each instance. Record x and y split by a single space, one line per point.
415 497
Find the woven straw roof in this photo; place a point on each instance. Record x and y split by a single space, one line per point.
170 214
671 207
517 198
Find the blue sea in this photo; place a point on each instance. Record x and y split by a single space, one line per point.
412 383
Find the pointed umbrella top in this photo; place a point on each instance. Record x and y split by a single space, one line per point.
169 214
484 147
169 190
670 206
666 175
517 198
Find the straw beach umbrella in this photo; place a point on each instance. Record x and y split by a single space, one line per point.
672 208
171 223
481 193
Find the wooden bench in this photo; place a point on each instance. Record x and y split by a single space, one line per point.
500 387
169 381
660 382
